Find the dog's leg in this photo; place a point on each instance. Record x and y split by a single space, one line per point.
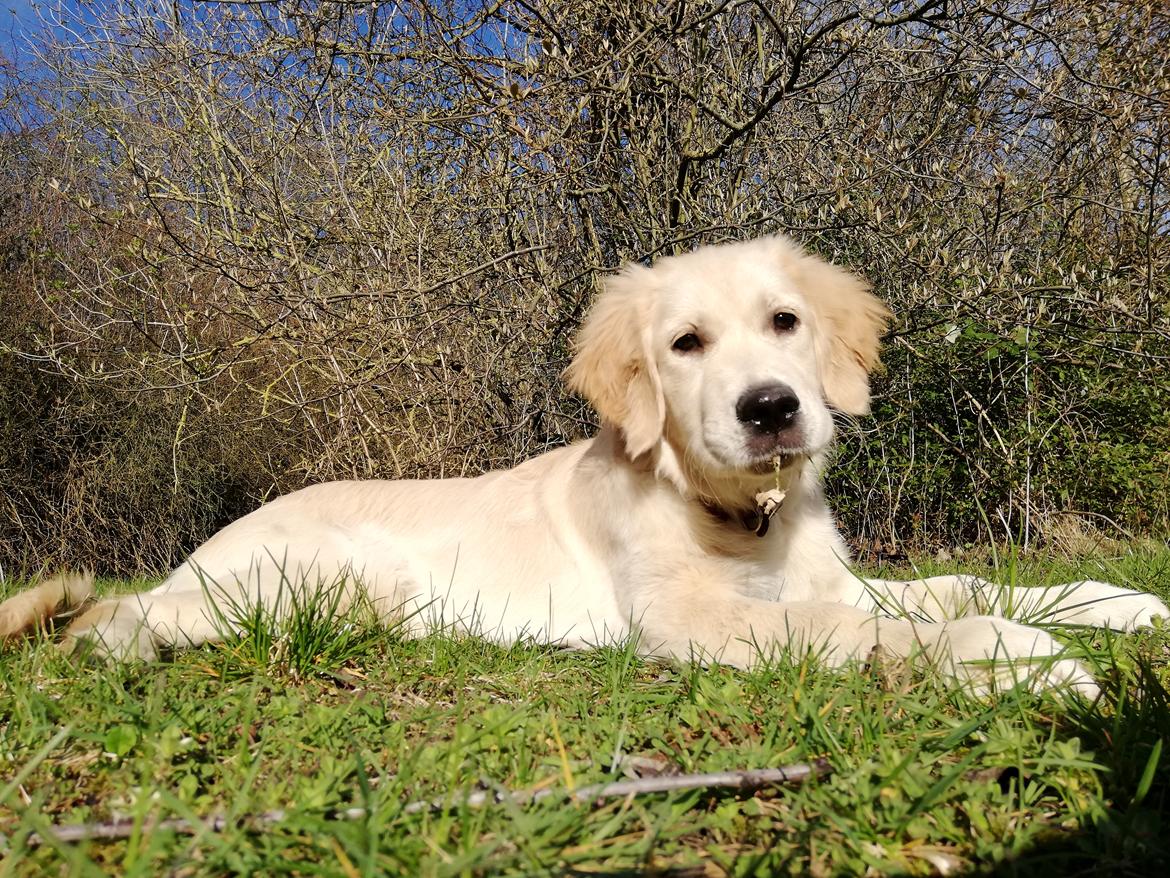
127 626
1075 603
116 627
687 617
136 626
192 607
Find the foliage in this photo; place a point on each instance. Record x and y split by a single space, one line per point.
248 246
310 626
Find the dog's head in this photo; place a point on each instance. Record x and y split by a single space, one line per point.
733 354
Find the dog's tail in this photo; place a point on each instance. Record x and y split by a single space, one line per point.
53 597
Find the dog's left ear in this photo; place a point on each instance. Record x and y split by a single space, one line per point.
613 366
851 322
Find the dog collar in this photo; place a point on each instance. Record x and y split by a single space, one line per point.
756 520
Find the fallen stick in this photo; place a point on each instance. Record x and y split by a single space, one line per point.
740 779
743 779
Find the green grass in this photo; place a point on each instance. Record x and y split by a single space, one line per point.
923 777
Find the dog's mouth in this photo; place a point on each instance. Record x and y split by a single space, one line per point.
785 442
776 460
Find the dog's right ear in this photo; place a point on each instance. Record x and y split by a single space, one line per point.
851 322
613 366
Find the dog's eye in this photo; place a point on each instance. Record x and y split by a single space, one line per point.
783 321
685 344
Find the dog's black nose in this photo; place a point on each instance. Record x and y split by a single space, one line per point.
769 408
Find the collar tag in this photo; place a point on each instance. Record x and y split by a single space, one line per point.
768 503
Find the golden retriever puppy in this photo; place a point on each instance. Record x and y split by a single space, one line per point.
694 521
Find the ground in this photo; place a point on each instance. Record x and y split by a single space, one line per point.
310 749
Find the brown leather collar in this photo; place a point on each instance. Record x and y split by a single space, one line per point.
756 519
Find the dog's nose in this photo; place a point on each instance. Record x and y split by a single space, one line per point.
769 408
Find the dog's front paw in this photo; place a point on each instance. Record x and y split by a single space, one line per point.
993 654
1107 606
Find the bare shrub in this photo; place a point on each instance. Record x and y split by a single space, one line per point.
251 246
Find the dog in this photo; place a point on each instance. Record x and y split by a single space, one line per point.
694 521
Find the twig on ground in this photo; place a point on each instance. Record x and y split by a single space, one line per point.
742 779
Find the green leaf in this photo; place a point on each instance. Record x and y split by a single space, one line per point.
1147 779
121 739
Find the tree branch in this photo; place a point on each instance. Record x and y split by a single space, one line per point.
746 779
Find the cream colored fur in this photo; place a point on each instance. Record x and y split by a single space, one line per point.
47 599
637 532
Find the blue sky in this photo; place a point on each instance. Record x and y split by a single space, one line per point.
16 17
